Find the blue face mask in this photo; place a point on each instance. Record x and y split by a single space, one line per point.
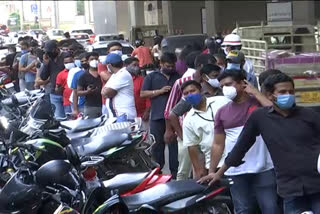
194 99
233 66
24 51
285 101
77 62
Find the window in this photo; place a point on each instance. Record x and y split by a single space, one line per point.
80 8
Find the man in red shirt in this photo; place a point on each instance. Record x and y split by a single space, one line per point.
143 54
142 105
61 83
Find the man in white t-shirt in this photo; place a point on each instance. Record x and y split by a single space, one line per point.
119 89
198 125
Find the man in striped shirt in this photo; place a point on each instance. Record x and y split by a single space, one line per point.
173 125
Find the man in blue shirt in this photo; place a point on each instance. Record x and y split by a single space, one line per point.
78 101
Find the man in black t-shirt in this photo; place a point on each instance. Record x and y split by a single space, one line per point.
90 85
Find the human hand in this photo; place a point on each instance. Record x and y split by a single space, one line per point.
165 89
145 116
211 178
169 136
250 89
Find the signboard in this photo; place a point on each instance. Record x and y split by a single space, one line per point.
279 12
34 8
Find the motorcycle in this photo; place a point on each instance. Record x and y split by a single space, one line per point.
185 196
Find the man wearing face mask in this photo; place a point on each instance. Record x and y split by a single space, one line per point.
89 86
119 89
112 47
27 65
291 134
53 63
61 83
254 180
233 42
235 61
157 86
78 101
198 125
142 105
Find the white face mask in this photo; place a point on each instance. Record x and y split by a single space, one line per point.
213 82
93 63
118 52
229 92
69 66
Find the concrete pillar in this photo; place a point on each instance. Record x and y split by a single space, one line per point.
303 12
136 10
104 15
211 14
167 15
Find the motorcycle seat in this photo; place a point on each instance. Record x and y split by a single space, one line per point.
98 144
82 125
124 182
163 194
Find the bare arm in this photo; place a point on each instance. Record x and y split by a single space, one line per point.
263 100
173 121
154 93
198 167
105 75
82 91
217 149
75 101
108 92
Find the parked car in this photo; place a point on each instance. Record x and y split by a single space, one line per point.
56 34
82 38
174 43
36 33
85 30
106 37
101 48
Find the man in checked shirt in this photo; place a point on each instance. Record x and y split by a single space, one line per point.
173 125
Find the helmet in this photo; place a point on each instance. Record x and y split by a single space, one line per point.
231 40
138 42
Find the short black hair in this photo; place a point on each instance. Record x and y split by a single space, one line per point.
191 58
111 44
93 53
78 53
25 43
204 59
168 57
67 55
12 48
34 43
221 56
207 69
117 65
84 55
236 75
190 82
264 75
274 79
129 60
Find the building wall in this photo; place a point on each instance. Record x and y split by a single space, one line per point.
104 15
317 10
186 15
245 12
123 25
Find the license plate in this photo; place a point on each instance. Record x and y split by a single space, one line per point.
310 97
9 85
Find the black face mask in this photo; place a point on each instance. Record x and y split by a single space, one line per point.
85 66
168 71
53 55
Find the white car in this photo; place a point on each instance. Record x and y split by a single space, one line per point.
84 30
101 48
106 37
56 34
82 38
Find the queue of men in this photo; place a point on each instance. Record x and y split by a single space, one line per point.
210 114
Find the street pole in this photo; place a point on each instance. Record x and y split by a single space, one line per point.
21 16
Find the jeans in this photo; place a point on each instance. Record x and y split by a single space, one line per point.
57 101
185 164
29 85
67 109
256 187
22 84
157 128
299 204
92 111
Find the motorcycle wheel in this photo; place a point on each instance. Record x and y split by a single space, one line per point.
221 205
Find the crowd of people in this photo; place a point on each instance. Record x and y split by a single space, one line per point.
205 105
